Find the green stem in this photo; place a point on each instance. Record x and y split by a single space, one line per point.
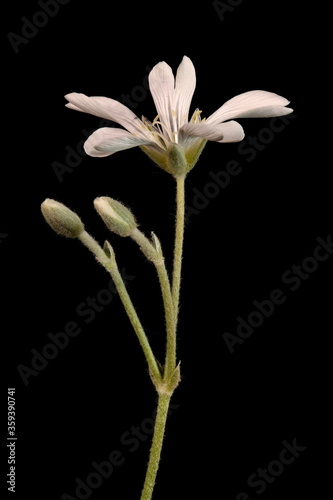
170 296
179 239
156 256
111 266
170 320
170 359
134 319
156 447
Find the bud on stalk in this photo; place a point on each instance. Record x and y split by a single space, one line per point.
118 218
61 219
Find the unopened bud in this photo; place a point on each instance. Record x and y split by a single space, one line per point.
118 218
61 219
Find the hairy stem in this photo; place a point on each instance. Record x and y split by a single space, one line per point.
156 447
171 373
156 256
179 239
110 265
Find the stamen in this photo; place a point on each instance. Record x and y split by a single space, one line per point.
156 132
160 127
162 134
196 116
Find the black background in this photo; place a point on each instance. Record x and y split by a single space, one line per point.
231 412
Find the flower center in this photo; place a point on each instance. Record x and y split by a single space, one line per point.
162 134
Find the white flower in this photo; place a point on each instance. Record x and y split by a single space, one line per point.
171 131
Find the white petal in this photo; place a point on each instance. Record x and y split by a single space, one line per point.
184 90
253 104
92 105
232 131
223 132
71 106
265 112
109 109
106 141
162 85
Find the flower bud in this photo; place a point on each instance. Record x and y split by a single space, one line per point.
61 219
118 218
